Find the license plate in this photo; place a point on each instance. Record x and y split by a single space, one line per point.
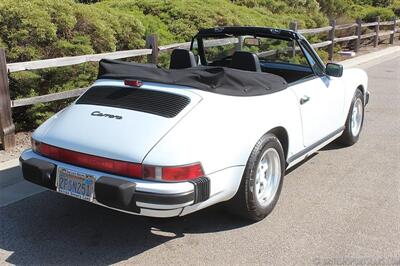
75 184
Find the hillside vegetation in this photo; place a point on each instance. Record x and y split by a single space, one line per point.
39 29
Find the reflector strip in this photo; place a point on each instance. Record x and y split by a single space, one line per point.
89 161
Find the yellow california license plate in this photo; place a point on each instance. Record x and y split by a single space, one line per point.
75 184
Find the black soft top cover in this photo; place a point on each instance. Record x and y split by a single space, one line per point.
221 80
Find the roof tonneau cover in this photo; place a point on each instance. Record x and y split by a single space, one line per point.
221 80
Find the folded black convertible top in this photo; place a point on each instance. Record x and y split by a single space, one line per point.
221 80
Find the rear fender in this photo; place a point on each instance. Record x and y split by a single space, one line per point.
222 131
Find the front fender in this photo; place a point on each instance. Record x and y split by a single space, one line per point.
353 79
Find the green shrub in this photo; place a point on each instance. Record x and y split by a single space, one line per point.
369 13
57 28
335 8
382 3
378 3
396 7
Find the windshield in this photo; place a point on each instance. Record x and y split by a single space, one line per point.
277 56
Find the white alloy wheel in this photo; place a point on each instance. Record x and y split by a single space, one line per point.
268 177
357 117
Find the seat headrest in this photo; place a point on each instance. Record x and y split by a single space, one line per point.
245 61
181 58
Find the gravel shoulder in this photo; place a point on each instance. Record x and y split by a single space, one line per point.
23 140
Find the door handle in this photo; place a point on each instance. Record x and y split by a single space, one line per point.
304 99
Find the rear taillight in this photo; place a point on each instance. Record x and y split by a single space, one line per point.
89 161
173 173
122 168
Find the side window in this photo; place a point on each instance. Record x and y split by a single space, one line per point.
316 66
219 50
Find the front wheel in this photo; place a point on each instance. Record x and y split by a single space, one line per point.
262 180
355 120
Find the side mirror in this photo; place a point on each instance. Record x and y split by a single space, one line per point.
334 70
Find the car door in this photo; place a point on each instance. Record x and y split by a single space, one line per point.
321 102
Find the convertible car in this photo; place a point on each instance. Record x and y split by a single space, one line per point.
222 124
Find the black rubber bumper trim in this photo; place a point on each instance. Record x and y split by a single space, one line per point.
201 189
116 193
122 194
39 172
164 199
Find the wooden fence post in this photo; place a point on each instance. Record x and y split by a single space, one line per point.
395 26
376 39
152 43
7 128
391 40
293 26
358 33
332 39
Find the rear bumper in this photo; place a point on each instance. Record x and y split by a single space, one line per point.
135 196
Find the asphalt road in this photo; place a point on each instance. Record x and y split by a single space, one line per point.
342 206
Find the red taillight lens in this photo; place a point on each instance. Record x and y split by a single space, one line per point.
89 161
174 173
133 82
169 173
180 173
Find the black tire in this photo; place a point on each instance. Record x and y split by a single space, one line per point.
245 202
348 138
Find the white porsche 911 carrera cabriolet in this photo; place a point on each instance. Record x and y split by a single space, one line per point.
222 124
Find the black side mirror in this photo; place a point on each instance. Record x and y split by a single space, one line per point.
334 70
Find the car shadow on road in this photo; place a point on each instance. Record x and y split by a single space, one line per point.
333 146
300 164
49 228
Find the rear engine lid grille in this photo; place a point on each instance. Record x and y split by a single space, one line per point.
142 100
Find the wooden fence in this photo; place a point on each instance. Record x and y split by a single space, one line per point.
7 129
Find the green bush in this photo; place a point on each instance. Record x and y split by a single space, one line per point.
370 13
396 7
377 3
335 8
57 28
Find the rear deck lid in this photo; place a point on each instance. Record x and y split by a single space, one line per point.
115 121
155 102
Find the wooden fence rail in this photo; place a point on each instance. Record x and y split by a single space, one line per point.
152 50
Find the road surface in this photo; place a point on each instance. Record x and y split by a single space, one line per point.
342 206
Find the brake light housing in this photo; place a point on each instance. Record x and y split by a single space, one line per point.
133 82
179 173
173 173
88 161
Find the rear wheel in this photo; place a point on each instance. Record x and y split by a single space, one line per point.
262 180
355 120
